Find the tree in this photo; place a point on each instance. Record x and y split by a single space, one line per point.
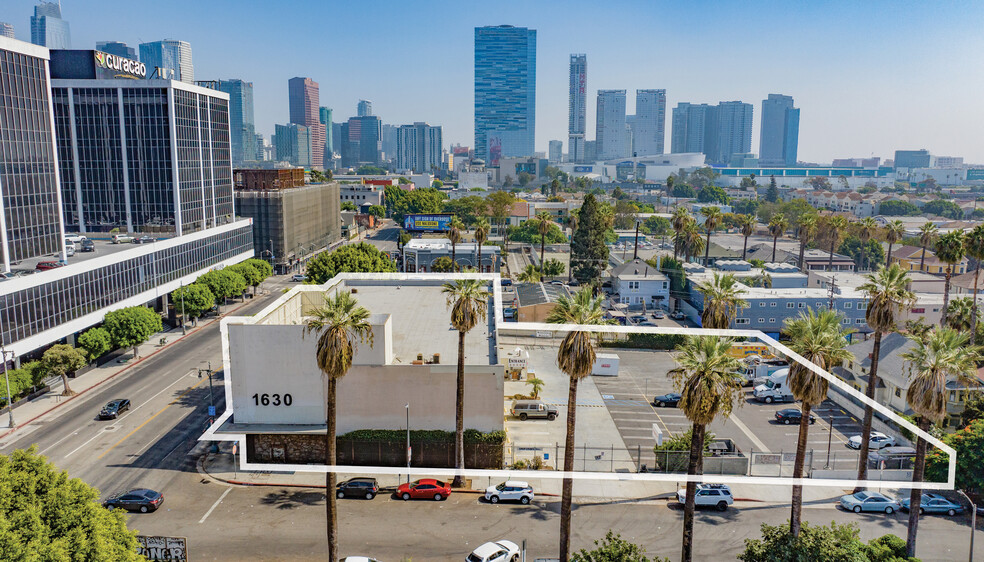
896 208
821 543
530 275
927 235
589 254
379 211
722 301
223 283
772 195
866 228
745 206
691 241
468 301
748 183
943 355
543 223
818 338
193 300
942 208
673 269
680 219
529 232
625 214
706 378
349 206
95 342
455 226
48 516
469 209
949 250
777 227
974 246
894 231
536 385
482 229
655 225
852 247
968 442
553 268
888 295
684 191
806 232
747 225
130 327
443 264
401 202
437 183
499 207
702 177
318 177
60 360
960 315
712 194
359 258
819 183
575 357
263 267
507 181
830 230
524 178
712 218
338 324
613 548
370 170
248 272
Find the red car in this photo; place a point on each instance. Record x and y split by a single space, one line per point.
426 488
46 265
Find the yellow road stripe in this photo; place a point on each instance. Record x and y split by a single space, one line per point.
128 435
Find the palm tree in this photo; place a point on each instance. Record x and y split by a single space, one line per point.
747 225
712 218
543 223
888 295
339 324
722 300
680 219
867 227
927 233
455 226
530 275
819 338
482 229
943 355
949 250
693 242
807 232
894 231
777 226
974 246
575 357
831 229
468 301
707 379
960 315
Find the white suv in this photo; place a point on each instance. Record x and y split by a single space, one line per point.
717 495
514 490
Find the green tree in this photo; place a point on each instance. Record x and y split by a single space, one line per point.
589 254
974 246
95 342
613 548
400 202
673 269
772 195
455 228
625 215
507 181
746 223
942 208
61 360
830 229
437 183
379 211
821 543
895 208
530 275
469 209
369 170
927 236
949 250
777 227
712 219
722 301
193 300
524 178
223 283
968 442
130 327
536 385
249 273
263 266
871 251
544 222
357 258
745 207
684 190
865 229
712 194
819 183
553 268
806 232
482 229
349 206
960 315
444 264
894 231
657 226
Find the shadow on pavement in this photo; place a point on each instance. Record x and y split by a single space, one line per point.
289 499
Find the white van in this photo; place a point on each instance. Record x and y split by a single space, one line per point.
122 239
775 388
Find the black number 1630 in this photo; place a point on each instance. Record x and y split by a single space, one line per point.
273 399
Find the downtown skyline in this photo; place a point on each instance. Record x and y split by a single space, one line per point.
869 79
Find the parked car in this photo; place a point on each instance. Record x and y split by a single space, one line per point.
114 408
892 457
141 499
638 318
144 239
524 409
69 250
46 265
671 399
122 239
678 315
869 501
646 324
556 282
299 278
790 416
506 282
426 488
510 490
717 495
878 441
659 315
498 551
88 245
934 503
357 488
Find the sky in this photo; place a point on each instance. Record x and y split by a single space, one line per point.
869 77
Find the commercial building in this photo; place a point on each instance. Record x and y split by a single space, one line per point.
304 99
168 59
242 126
779 138
534 301
117 48
292 144
421 253
649 124
907 159
387 142
361 141
362 195
364 109
258 180
48 29
689 126
718 131
556 152
418 148
6 30
324 116
610 125
577 107
505 92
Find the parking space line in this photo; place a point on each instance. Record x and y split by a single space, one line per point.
215 505
748 433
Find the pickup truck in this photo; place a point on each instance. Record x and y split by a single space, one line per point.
774 389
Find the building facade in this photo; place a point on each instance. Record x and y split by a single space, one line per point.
364 109
172 57
505 92
913 159
556 152
649 125
117 48
324 116
729 132
689 127
362 141
577 108
779 138
421 253
242 126
418 148
292 144
6 30
304 99
48 29
610 125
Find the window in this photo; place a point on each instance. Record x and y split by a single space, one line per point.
848 305
772 320
898 392
633 285
762 304
862 305
773 304
818 305
741 321
918 310
790 305
761 320
859 320
846 321
801 305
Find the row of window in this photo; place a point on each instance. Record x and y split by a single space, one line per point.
746 321
846 305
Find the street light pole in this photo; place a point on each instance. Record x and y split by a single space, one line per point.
6 378
973 523
830 436
408 443
184 329
211 400
635 250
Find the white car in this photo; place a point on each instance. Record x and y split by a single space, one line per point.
878 441
498 551
510 490
717 495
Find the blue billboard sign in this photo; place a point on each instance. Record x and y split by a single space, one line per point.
583 169
426 223
975 174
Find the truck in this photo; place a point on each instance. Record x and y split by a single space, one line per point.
742 350
774 389
754 368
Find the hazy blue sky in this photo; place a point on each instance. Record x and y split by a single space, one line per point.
869 76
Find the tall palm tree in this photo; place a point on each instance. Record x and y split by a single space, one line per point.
777 226
807 232
927 233
530 275
712 218
894 231
468 301
747 225
943 355
974 246
482 229
543 223
831 229
693 242
960 315
339 324
949 250
867 227
722 301
680 219
575 357
455 227
707 380
819 338
888 295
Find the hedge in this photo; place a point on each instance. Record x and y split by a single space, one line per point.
647 341
423 436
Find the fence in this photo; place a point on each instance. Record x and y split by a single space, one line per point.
617 458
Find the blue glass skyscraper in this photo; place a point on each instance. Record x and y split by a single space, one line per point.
242 127
172 57
505 92
48 29
780 131
117 48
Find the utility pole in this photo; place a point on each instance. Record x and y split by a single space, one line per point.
211 400
184 329
635 250
6 378
973 523
833 286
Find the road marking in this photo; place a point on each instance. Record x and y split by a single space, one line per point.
56 443
152 417
98 433
748 433
215 505
172 450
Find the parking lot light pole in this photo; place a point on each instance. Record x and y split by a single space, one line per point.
973 522
830 436
408 443
6 378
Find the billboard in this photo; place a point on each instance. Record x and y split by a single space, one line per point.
975 174
112 66
583 169
426 223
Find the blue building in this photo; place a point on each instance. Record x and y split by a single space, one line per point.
242 127
172 57
505 92
779 137
48 29
117 48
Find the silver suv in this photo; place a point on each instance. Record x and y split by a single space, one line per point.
717 495
524 409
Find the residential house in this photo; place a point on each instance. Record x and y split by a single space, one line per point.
813 259
911 259
639 284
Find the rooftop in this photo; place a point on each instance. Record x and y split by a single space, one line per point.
539 293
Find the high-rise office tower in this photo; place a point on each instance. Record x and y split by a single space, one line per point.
387 141
779 138
689 127
242 127
292 143
418 148
304 99
172 57
610 132
729 131
6 30
362 141
649 123
577 107
48 29
324 116
260 146
365 108
117 48
505 92
556 152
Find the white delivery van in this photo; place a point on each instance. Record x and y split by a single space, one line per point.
775 388
605 365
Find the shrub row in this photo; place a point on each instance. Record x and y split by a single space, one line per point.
423 436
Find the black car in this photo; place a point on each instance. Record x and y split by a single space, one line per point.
141 499
671 399
358 488
114 409
791 416
88 245
144 240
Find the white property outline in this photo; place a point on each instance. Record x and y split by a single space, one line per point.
532 329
